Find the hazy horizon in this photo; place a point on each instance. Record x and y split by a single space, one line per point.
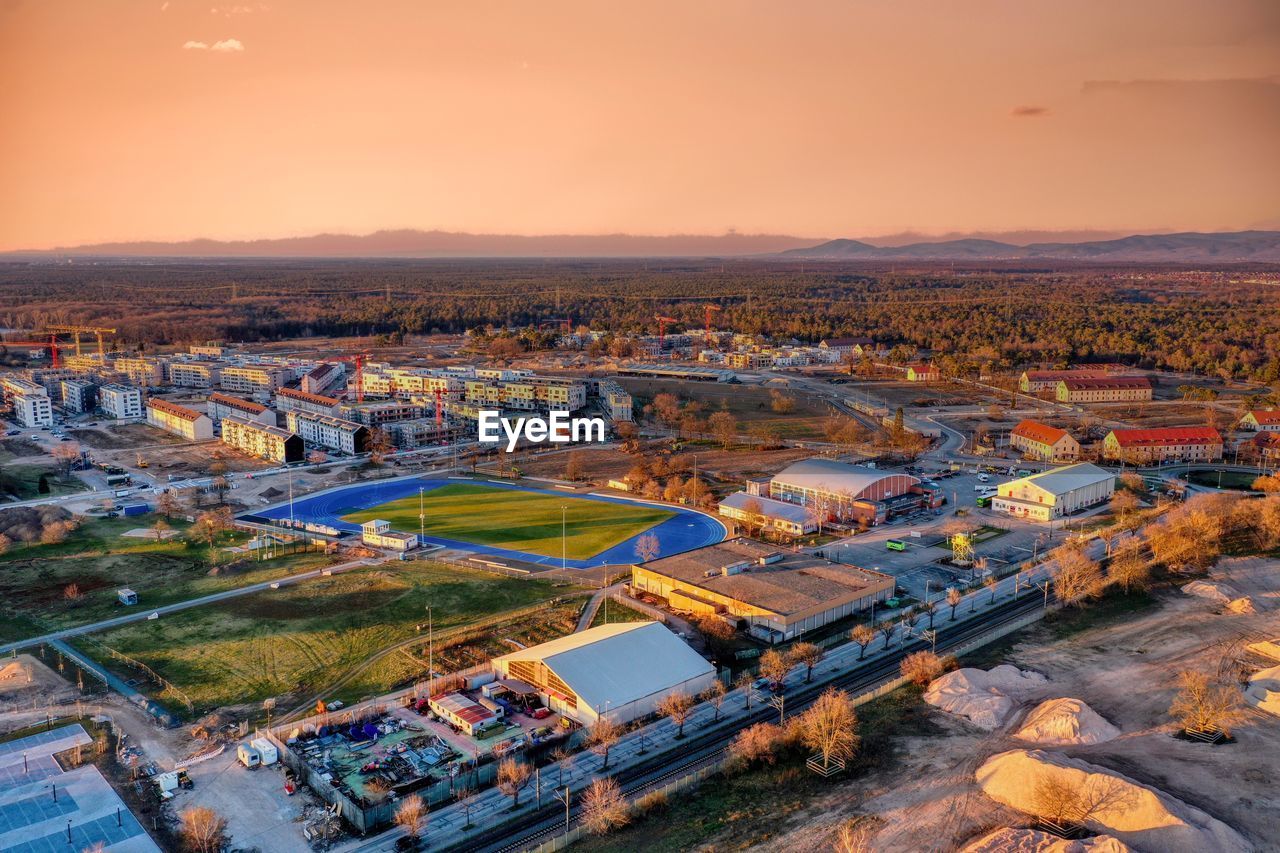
147 120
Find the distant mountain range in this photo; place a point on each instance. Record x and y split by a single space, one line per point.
450 244
1190 247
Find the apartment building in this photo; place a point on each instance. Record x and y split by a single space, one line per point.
327 431
748 360
384 380
255 379
324 377
214 351
1043 442
79 395
1112 389
373 413
616 401
123 402
1146 446
528 394
179 420
225 406
1046 381
195 374
292 400
266 441
141 370
30 402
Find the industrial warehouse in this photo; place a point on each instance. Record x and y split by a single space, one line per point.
1055 493
774 594
620 671
839 491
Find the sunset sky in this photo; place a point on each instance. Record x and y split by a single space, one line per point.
145 119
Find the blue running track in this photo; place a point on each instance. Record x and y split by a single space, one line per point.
686 530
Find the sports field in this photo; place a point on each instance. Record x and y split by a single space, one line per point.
518 520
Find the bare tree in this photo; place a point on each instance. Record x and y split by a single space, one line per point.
65 455
167 504
954 597
756 743
929 608
411 816
573 466
647 548
715 695
886 629
774 665
1205 705
990 582
830 726
513 775
862 635
921 667
604 809
745 682
159 529
724 426
1129 567
807 654
854 836
678 706
203 830
1077 576
601 737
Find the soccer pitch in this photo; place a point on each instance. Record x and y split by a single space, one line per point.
519 520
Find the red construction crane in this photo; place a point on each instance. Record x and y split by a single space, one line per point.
440 395
662 329
51 345
710 308
358 359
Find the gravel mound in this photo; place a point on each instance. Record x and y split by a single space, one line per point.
1011 840
984 698
1066 722
1215 591
1263 691
1140 816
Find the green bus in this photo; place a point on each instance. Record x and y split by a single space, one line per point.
984 501
895 545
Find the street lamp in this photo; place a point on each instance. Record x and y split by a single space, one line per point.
563 546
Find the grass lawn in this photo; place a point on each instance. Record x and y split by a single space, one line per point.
1226 479
300 639
23 481
611 612
98 560
520 521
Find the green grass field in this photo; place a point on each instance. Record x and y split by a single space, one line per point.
520 521
34 579
298 640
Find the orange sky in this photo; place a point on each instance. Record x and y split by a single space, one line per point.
822 119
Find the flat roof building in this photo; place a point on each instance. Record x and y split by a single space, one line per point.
621 671
774 593
1055 493
766 513
334 433
122 402
81 395
30 402
266 441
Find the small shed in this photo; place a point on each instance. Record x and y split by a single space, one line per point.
127 596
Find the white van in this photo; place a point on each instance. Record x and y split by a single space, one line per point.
982 478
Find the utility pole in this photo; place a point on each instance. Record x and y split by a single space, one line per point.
422 519
564 551
565 798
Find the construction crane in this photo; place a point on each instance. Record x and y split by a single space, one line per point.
440 395
662 329
77 331
710 309
51 345
358 359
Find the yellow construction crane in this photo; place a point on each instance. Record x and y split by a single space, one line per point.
77 331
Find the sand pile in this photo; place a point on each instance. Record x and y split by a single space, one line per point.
1215 591
1140 816
1011 840
983 698
1066 722
1243 604
1266 648
1263 691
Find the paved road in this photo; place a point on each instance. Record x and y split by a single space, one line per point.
146 613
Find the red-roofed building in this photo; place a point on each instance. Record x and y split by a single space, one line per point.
291 400
1046 381
922 373
1111 389
179 420
1044 442
1267 447
1262 420
1183 444
226 406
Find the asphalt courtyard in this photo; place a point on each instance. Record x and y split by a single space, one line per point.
687 529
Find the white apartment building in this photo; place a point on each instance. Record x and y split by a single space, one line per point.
195 374
225 406
121 401
32 407
79 395
330 432
259 379
147 372
266 441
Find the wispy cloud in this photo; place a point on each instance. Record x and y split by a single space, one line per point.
1029 111
164 7
224 46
